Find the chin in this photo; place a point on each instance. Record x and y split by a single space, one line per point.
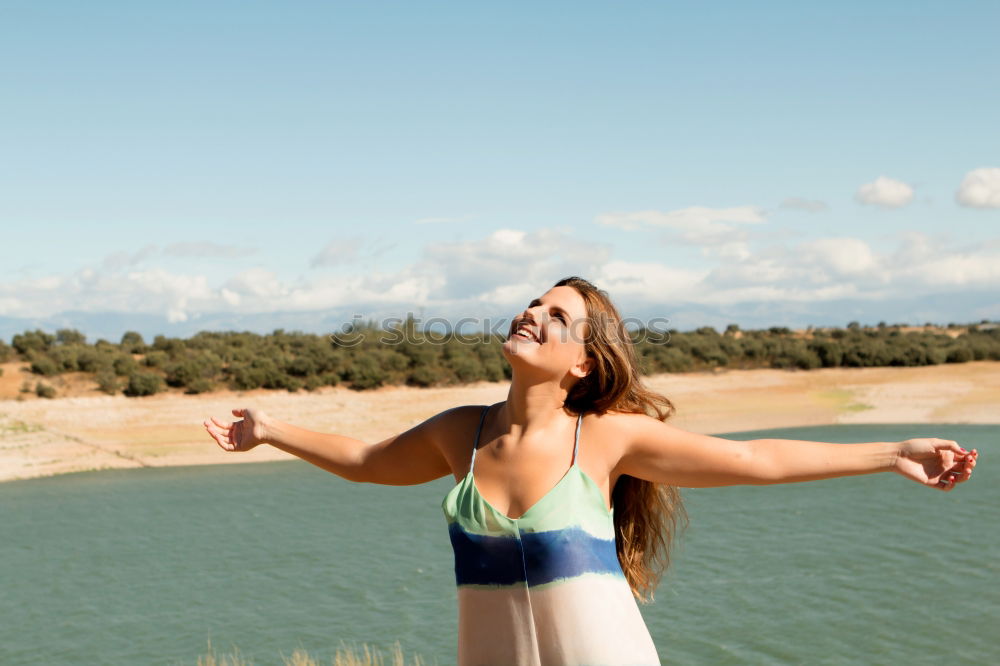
514 352
523 361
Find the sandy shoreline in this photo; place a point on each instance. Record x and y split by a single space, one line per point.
46 437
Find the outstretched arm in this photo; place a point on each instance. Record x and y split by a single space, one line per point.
409 458
659 452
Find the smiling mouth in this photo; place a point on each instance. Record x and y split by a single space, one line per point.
524 332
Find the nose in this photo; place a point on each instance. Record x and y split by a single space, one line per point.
531 315
536 315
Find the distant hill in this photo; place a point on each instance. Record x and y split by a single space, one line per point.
940 309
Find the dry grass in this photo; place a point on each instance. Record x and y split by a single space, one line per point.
365 655
69 434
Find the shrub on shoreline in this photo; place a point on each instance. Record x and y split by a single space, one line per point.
367 357
143 383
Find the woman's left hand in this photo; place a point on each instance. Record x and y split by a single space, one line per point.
939 463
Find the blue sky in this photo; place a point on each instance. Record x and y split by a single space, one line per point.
240 164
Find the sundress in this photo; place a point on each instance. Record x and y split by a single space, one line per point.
544 589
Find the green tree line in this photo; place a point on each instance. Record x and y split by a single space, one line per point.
366 356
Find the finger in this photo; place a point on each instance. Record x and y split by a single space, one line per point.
967 471
967 464
224 426
958 469
221 434
216 432
958 476
949 445
949 478
239 411
220 441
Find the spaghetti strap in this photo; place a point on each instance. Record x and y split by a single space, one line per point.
475 444
576 437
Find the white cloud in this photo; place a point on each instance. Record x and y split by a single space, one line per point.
354 252
649 281
207 249
511 294
256 283
827 268
694 216
175 315
980 188
808 205
230 297
509 258
733 250
785 293
885 192
754 270
123 259
841 256
407 287
953 269
697 224
505 269
171 292
106 289
914 248
337 253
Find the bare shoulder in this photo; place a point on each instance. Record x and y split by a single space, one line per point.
660 452
627 434
623 427
616 431
453 432
448 424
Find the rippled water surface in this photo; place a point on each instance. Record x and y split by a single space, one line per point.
145 566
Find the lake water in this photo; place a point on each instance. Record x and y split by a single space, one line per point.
146 566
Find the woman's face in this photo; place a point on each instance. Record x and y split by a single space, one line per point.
549 335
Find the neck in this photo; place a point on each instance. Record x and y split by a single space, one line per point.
532 405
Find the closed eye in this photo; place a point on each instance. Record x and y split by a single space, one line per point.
556 311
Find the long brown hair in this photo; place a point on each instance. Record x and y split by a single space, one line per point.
647 515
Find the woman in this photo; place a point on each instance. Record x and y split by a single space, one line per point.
566 495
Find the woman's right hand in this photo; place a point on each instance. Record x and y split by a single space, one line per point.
240 435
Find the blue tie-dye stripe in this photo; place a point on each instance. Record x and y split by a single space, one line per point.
548 556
